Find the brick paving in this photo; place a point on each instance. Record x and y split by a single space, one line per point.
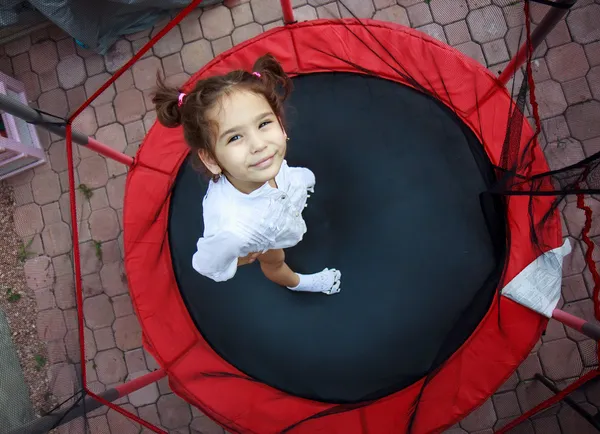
59 76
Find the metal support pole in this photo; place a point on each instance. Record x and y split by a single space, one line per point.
288 12
57 126
582 326
52 420
550 20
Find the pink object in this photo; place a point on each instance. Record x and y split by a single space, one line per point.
181 95
257 74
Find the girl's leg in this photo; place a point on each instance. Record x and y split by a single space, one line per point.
272 264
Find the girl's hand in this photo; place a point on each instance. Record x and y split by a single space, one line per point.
248 259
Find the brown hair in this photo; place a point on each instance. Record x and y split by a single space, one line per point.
198 130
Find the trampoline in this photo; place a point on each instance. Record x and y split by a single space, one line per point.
422 256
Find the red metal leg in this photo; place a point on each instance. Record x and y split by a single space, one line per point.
288 12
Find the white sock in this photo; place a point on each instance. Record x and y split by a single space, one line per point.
327 281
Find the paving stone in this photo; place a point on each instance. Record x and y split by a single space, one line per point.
593 79
483 417
105 114
145 70
92 171
572 422
28 220
219 46
144 396
122 305
63 380
242 14
173 411
248 31
560 359
136 362
204 425
476 4
559 35
46 188
487 24
92 84
216 22
118 55
122 424
567 62
419 14
71 321
104 225
74 348
395 14
495 52
575 218
577 90
94 65
56 352
583 24
57 239
575 262
573 288
129 106
279 23
48 80
116 191
592 50
128 333
21 64
531 393
104 338
457 33
554 331
44 299
111 252
125 81
39 273
151 361
18 46
75 98
71 71
583 309
91 283
150 414
58 156
170 43
434 30
43 56
195 55
99 199
591 146
588 351
506 404
98 312
114 279
448 11
55 102
265 11
330 10
64 291
356 8
172 64
550 98
379 4
51 325
456 429
134 131
190 26
302 13
472 50
583 120
530 366
98 425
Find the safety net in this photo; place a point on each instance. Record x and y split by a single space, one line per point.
507 92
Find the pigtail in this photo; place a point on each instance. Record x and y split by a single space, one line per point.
165 99
272 72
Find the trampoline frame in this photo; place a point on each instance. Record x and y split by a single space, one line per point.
89 400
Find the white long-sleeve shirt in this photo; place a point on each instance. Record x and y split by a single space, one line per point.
236 224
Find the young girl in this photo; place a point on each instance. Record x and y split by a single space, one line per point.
253 207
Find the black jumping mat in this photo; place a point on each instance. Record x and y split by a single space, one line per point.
397 209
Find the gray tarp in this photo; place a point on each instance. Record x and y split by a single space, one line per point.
95 23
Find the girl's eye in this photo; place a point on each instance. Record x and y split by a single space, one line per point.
234 138
264 123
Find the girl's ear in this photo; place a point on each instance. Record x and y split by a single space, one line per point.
209 162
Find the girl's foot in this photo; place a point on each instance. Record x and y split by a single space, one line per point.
326 281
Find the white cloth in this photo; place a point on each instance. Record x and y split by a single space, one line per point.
236 224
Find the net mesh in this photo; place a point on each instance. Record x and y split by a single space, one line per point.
556 92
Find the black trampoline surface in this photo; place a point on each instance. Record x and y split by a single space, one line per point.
396 209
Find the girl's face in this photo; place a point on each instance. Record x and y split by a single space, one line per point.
250 144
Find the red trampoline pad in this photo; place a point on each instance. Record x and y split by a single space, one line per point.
239 403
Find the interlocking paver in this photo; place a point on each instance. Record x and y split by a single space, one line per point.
448 11
128 333
249 31
150 413
473 50
573 288
21 63
173 411
104 225
531 393
588 350
136 362
495 51
303 13
54 101
122 424
482 418
66 48
94 65
92 172
57 238
32 84
330 10
90 263
572 422
18 46
144 396
395 14
591 146
529 367
583 24
550 98
144 72
46 188
39 273
575 218
76 97
204 425
98 312
216 22
172 64
265 11
170 43
104 338
63 379
98 424
506 404
64 291
593 79
487 24
242 14
575 262
583 309
113 279
358 8
419 14
195 55
48 80
190 26
567 62
218 46
457 32
56 352
51 325
129 106
92 84
583 120
43 56
71 72
118 55
434 30
99 199
592 50
105 114
116 191
577 90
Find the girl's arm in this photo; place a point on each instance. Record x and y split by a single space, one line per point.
217 256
